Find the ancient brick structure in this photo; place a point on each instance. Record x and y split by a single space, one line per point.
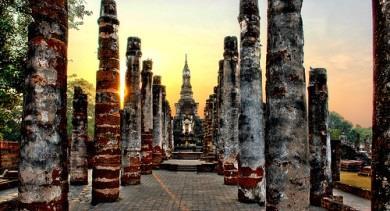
43 171
9 155
157 122
147 118
131 122
207 126
188 131
78 148
230 108
381 124
164 126
287 154
251 122
319 137
167 144
105 175
220 143
335 146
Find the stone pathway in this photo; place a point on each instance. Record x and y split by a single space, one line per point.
169 191
354 201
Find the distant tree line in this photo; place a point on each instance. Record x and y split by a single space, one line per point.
339 128
14 20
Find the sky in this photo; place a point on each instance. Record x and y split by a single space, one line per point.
338 37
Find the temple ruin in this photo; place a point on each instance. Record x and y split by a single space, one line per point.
277 153
106 170
131 119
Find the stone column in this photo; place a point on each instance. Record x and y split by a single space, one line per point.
105 174
335 160
147 118
131 133
287 152
220 144
157 122
230 109
168 128
78 154
381 119
206 127
251 122
319 137
164 142
43 174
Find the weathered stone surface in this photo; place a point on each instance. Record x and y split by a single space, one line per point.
147 118
106 171
164 126
230 111
335 159
78 150
131 123
381 122
187 125
319 137
157 122
251 119
43 171
287 153
220 143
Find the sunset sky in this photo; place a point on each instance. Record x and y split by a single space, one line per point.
338 36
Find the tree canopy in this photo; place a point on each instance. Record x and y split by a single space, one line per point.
15 18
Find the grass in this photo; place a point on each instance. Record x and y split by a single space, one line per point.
353 179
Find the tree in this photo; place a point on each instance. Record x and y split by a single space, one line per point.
14 22
339 126
89 89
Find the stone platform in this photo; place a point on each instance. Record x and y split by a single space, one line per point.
172 191
188 165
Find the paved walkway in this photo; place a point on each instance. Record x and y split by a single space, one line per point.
165 191
354 201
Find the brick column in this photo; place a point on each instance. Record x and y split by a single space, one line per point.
381 118
335 159
78 154
105 175
319 137
287 154
164 108
157 122
43 174
220 144
131 131
230 109
251 122
147 118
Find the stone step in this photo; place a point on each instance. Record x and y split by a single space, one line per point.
187 168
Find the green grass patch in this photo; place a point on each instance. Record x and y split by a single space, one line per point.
353 179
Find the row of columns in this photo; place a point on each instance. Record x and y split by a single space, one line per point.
296 150
43 173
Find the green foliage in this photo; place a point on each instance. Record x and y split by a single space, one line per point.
14 21
89 89
338 127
